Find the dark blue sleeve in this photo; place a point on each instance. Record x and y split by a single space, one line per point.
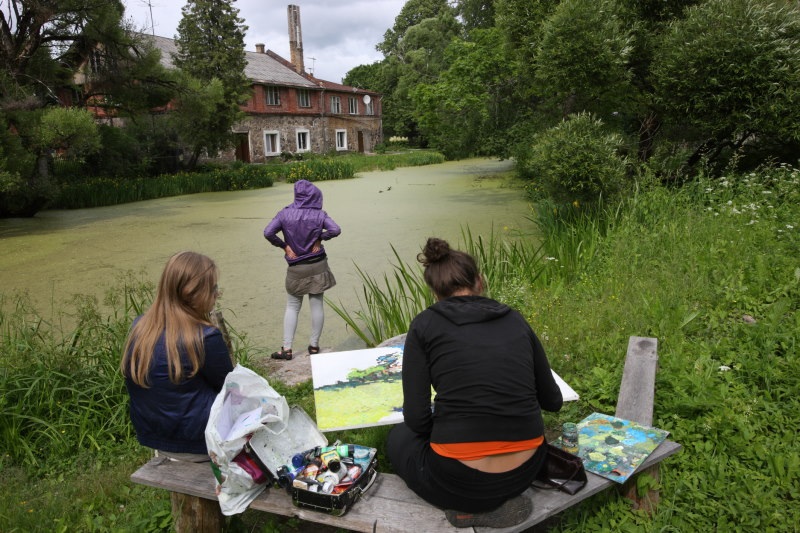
218 359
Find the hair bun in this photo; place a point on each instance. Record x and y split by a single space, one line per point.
434 251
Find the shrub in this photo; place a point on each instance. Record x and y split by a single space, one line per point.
576 160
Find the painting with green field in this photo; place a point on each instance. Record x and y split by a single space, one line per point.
358 388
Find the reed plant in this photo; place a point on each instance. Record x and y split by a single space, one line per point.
320 170
388 304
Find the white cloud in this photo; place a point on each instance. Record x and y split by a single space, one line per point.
339 35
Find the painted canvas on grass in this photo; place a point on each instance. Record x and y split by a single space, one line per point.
358 388
613 447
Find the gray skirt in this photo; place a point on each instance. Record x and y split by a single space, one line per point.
315 278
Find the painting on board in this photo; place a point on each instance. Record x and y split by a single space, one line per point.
363 388
358 388
614 447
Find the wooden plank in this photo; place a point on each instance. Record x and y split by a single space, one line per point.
637 390
635 402
547 503
389 506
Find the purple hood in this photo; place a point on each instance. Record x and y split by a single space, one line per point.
306 196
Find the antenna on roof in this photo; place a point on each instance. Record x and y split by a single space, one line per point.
149 4
313 61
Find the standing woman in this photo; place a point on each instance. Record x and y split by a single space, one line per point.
304 226
475 451
175 361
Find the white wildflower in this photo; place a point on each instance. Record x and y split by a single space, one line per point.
724 368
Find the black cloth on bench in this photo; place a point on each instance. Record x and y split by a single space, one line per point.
449 484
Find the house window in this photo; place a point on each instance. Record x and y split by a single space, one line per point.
353 106
341 140
303 100
272 143
303 141
336 104
273 95
368 109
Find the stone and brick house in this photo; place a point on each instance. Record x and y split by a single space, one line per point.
291 111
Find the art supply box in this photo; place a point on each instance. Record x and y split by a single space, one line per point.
274 453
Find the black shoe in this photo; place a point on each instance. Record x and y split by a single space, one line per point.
511 513
313 349
283 354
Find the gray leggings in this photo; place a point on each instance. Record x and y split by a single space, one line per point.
293 305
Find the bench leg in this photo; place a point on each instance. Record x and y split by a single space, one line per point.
647 502
195 515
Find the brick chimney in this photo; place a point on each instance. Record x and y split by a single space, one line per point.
296 39
260 48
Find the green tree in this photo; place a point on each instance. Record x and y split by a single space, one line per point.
470 108
731 71
210 45
70 51
577 160
582 59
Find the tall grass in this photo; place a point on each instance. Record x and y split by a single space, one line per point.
712 271
388 305
62 391
95 192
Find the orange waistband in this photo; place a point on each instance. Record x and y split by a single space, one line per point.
470 451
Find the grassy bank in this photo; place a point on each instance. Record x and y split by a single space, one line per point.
710 269
96 192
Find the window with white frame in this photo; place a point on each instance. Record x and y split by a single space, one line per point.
368 109
353 106
341 140
303 141
303 99
272 143
336 104
273 95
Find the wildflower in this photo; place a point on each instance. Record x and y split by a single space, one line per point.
576 203
789 226
724 368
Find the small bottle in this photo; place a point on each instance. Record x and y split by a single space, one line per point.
569 437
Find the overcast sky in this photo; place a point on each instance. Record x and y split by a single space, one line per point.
340 35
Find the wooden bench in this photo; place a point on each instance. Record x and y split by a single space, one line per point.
389 506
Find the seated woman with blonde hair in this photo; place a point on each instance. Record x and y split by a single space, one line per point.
175 361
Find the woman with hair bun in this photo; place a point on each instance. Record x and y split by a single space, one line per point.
175 361
475 451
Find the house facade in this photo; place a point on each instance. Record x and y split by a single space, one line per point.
290 111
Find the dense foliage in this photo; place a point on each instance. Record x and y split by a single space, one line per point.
211 55
684 82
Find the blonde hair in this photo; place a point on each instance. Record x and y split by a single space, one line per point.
186 294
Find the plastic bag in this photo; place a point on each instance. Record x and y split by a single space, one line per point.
246 404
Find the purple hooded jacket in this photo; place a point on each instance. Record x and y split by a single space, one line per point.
303 223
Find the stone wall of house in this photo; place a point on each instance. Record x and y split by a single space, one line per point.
322 133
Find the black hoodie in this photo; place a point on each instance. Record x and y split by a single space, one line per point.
488 368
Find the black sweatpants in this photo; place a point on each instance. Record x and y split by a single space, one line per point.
450 484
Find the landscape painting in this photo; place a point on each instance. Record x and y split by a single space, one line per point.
358 388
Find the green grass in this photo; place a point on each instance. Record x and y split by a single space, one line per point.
710 269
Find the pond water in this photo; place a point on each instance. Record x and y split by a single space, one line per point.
64 252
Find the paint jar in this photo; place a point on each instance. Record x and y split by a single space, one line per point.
569 437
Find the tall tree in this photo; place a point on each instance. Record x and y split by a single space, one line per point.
731 72
210 44
44 44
